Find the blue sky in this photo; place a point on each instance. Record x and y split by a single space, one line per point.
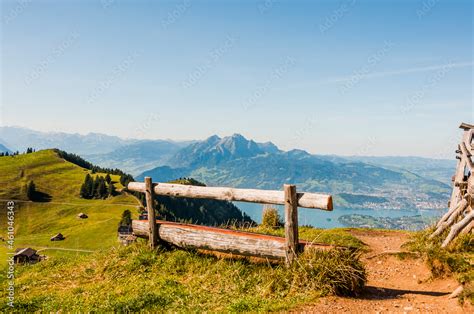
332 77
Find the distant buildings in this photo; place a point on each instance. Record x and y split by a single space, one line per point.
58 237
125 235
26 256
82 216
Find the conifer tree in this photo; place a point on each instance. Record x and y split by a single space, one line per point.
30 190
111 189
101 189
126 218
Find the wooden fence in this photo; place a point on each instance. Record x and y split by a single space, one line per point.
460 216
225 240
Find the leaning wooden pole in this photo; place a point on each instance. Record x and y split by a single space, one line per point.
291 223
152 233
457 228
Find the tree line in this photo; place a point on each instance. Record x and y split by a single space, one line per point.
29 150
81 162
98 188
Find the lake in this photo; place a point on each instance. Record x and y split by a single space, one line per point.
325 219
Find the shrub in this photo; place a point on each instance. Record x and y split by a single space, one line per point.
271 218
333 272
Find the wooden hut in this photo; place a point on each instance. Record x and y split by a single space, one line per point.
82 216
58 237
26 256
123 233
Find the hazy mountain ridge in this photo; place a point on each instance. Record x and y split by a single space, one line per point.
405 182
439 169
17 138
238 162
130 155
140 156
4 149
215 150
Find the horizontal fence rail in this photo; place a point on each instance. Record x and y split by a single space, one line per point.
189 236
225 240
307 200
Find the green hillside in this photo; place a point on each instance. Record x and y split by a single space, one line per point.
59 181
90 271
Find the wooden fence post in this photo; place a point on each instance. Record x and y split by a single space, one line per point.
153 236
291 223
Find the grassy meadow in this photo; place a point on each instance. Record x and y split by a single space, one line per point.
133 278
90 271
37 222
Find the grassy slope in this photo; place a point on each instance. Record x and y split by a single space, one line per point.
134 278
120 279
35 222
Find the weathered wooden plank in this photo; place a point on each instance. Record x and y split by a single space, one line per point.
466 156
308 200
451 218
466 126
457 228
152 232
468 139
291 223
222 240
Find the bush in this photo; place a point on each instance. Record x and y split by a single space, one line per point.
271 218
334 272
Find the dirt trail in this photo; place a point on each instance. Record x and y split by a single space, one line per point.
394 285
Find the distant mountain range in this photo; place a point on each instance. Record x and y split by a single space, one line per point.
131 155
238 162
138 157
438 169
4 149
366 182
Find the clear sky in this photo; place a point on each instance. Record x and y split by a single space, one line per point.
332 77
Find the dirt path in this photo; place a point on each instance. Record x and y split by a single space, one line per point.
394 285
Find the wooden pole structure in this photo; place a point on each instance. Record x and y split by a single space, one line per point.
308 200
152 234
291 223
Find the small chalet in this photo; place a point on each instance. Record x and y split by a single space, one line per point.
123 234
58 237
82 216
26 256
